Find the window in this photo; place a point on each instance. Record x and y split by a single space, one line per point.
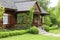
5 19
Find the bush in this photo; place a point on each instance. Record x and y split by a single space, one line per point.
4 34
12 33
16 32
33 30
46 28
53 27
22 32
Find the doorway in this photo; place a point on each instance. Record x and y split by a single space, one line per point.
35 20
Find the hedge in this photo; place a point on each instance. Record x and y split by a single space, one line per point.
12 33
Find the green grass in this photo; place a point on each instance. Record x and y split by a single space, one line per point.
56 31
31 37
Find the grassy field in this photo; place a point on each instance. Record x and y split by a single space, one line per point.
31 37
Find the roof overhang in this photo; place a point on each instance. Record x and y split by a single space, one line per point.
43 12
22 11
10 10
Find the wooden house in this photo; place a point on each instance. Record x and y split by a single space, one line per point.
13 7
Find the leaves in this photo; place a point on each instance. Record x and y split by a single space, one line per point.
26 18
43 3
2 10
54 16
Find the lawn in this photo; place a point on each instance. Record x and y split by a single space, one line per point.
31 37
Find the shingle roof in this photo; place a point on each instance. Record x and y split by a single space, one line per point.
43 11
18 0
11 3
22 6
7 4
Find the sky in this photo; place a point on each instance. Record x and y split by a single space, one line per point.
53 3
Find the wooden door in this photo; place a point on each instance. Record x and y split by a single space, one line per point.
35 20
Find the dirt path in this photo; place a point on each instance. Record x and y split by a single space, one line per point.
52 34
43 32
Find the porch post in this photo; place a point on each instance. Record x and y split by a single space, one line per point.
42 19
38 20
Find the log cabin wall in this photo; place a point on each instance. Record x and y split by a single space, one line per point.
11 19
1 22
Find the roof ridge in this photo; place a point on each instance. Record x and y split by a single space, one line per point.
23 1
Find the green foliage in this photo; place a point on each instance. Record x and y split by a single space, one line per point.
30 16
25 19
51 19
47 20
4 34
54 17
43 3
54 13
17 32
2 10
33 30
22 18
46 28
57 13
53 27
12 33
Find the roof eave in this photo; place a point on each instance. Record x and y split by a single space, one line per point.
22 11
10 9
44 14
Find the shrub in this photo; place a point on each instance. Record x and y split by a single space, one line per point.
16 32
33 30
53 27
12 33
46 28
4 34
22 32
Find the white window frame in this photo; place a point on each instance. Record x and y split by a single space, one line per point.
5 18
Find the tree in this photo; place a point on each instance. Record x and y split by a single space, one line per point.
54 15
2 10
43 3
57 13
